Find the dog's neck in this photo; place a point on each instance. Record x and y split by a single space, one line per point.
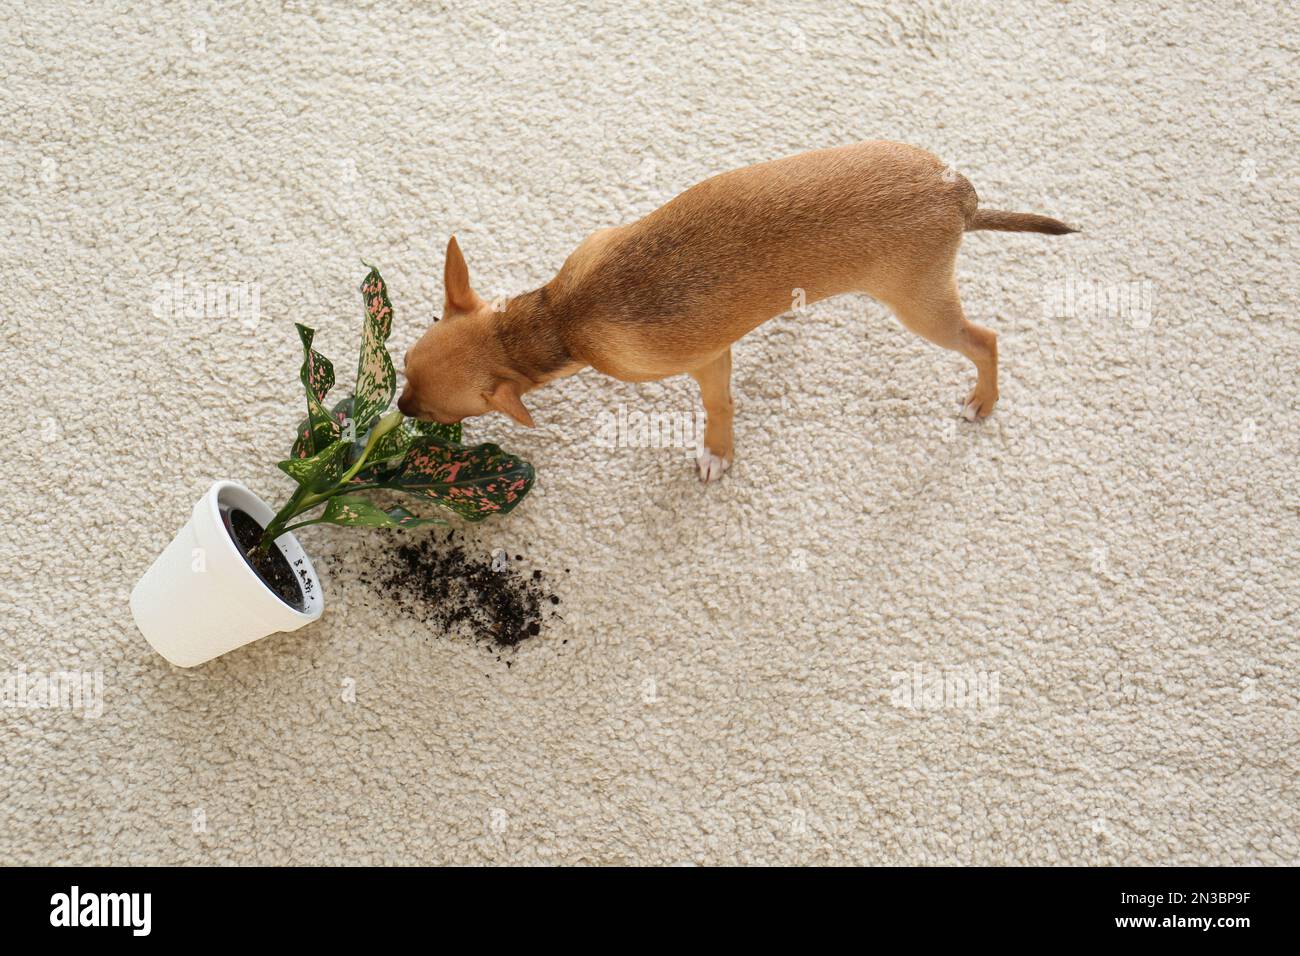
532 338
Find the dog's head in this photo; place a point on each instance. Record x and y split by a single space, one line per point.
459 368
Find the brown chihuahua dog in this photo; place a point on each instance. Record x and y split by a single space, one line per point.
671 292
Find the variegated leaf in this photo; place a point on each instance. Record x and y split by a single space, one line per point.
317 377
391 448
448 433
475 482
390 451
322 470
376 379
343 427
355 511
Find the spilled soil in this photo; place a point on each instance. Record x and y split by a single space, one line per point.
491 599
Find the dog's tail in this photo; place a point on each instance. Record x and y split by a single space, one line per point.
1004 221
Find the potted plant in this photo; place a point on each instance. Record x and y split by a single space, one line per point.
236 571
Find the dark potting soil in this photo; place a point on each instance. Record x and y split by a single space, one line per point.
438 582
272 567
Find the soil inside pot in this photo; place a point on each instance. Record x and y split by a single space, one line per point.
441 584
272 566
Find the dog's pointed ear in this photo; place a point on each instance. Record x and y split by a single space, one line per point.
460 297
505 399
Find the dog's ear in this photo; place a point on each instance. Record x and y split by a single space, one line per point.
505 399
455 281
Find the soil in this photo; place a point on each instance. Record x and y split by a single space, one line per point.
435 580
272 567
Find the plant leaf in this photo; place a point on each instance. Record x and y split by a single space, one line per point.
322 469
390 451
317 377
474 481
376 378
448 433
356 512
391 448
341 414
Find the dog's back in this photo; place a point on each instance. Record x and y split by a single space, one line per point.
743 246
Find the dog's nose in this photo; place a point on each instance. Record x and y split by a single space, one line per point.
404 403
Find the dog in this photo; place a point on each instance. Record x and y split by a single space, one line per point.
670 293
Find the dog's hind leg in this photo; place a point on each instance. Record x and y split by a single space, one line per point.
932 309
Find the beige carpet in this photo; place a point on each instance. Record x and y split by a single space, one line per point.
888 636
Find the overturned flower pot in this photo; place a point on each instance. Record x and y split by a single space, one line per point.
236 573
203 597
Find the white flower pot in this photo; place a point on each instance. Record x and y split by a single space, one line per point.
200 598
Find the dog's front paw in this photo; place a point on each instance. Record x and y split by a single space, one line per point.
978 407
711 466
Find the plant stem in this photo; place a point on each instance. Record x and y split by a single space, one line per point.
275 527
301 524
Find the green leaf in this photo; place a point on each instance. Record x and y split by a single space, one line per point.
317 376
322 470
392 448
448 433
357 512
376 378
341 414
390 451
475 481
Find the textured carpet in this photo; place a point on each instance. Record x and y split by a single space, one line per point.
1067 635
